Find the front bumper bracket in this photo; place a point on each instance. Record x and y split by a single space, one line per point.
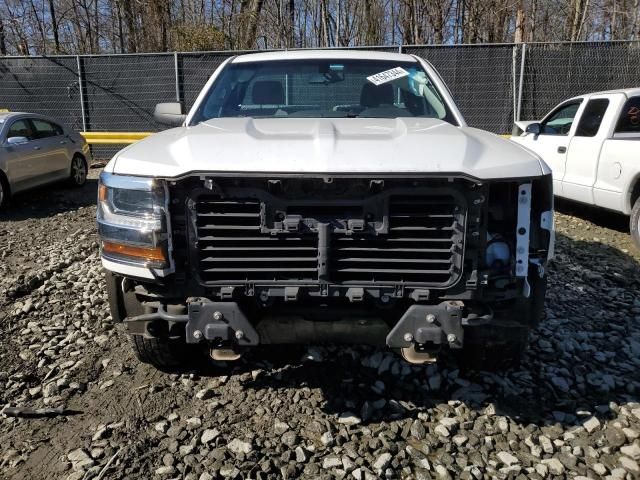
222 322
429 327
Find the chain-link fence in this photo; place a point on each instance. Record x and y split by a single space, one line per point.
43 85
555 72
492 84
481 79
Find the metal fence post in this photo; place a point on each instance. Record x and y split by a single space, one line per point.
521 86
81 89
177 70
514 75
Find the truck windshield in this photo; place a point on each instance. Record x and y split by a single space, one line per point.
323 89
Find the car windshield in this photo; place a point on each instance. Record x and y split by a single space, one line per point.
323 89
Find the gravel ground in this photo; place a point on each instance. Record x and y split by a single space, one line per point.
570 411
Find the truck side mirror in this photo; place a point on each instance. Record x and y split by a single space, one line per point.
534 128
169 114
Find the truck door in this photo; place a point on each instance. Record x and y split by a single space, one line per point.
552 142
619 164
585 146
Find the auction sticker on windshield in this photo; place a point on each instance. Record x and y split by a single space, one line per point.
388 76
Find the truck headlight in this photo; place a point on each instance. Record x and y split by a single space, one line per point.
132 219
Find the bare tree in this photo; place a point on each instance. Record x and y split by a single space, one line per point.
95 26
249 13
54 26
575 19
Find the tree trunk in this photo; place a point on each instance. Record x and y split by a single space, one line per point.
162 14
581 20
532 21
250 15
417 37
120 29
3 45
324 23
96 37
129 20
573 18
40 25
54 26
520 23
370 26
459 27
635 23
80 39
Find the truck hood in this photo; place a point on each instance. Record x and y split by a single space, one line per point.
326 145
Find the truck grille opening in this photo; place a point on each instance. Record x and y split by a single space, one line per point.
232 248
424 245
422 242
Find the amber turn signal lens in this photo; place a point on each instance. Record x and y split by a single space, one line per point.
149 254
102 193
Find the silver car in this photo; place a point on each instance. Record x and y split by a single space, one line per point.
36 150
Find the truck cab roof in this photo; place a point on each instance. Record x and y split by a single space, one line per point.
328 54
628 92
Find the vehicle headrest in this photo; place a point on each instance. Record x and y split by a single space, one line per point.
267 92
374 96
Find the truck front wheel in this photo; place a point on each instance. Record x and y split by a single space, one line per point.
494 348
161 352
634 223
502 346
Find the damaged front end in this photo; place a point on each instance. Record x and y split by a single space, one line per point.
420 264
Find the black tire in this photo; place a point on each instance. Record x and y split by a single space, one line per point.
532 308
4 190
79 171
161 352
634 223
496 348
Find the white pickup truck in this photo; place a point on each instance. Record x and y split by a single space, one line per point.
591 144
325 197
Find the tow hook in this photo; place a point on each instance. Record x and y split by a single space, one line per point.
424 330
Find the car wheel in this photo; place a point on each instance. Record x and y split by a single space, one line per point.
634 223
4 191
78 176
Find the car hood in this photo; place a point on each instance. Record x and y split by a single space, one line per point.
326 145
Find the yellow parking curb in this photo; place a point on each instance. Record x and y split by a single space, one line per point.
113 138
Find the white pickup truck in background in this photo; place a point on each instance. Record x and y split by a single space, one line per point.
592 144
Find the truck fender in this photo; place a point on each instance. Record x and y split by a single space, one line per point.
632 192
